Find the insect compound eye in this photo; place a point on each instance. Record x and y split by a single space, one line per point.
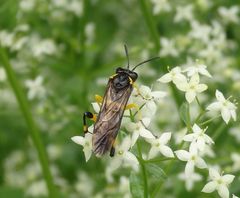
133 76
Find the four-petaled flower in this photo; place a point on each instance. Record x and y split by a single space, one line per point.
86 142
190 179
198 137
192 158
175 75
123 156
227 108
35 88
219 183
192 88
159 145
198 69
139 129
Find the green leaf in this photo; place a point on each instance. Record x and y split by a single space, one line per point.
155 171
185 114
136 186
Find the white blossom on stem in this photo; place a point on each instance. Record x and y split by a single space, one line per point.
190 179
198 69
123 156
139 129
218 182
175 75
198 137
192 88
227 108
192 158
159 145
86 142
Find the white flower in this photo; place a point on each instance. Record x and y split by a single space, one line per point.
197 69
198 137
123 156
192 158
149 99
219 183
229 14
75 6
2 75
139 129
234 196
184 13
200 32
192 88
159 145
227 108
35 88
86 142
160 6
236 161
190 179
43 47
175 75
168 48
6 38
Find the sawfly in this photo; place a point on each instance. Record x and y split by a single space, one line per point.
108 121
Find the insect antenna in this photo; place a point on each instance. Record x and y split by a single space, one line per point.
151 59
126 51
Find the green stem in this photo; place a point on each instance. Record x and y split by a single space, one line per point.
34 133
150 23
210 120
144 173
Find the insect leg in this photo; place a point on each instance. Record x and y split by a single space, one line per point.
85 116
112 151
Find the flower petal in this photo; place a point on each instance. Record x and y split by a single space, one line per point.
209 187
215 106
200 163
226 115
189 168
196 129
158 94
190 96
135 136
228 178
201 87
189 137
223 191
166 151
220 97
78 140
87 153
182 155
146 133
165 78
214 174
153 152
165 137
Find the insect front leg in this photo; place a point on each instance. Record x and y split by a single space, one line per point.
112 151
91 117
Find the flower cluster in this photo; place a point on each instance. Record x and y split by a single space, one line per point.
137 124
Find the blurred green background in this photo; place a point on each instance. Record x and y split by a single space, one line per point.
63 52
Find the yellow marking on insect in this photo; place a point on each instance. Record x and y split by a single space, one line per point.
85 128
131 106
98 99
94 118
111 77
131 81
